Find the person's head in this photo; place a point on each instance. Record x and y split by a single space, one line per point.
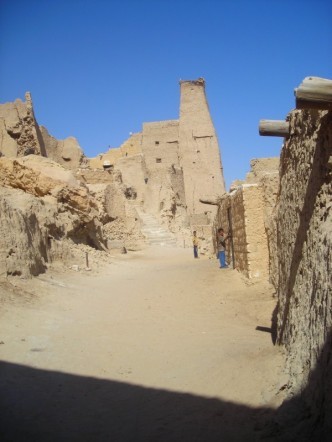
194 232
221 230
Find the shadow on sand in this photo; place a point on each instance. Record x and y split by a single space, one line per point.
39 405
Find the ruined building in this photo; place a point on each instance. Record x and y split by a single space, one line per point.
20 135
163 171
280 216
172 165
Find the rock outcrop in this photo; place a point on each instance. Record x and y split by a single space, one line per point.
20 135
66 152
42 208
19 132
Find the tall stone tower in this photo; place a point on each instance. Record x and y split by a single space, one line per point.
198 150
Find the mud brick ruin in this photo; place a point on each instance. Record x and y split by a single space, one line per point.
165 182
172 165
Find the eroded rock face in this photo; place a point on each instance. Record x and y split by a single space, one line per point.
23 240
19 132
20 135
304 226
66 152
42 206
116 205
36 175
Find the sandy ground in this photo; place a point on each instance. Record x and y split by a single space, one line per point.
154 346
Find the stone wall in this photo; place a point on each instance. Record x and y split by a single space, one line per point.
304 226
121 226
160 144
269 185
160 149
132 146
132 172
236 208
257 241
94 176
249 207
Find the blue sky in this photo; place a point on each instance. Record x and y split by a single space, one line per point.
98 69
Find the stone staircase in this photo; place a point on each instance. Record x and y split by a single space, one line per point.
155 234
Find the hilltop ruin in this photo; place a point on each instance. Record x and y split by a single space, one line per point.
54 199
156 178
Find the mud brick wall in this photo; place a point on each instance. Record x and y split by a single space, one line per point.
304 237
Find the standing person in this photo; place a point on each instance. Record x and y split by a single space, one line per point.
221 241
195 244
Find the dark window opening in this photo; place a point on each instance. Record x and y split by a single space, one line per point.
158 160
156 143
108 166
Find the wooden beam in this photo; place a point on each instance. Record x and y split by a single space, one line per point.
274 128
314 93
213 202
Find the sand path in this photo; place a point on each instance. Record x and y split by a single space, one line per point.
155 346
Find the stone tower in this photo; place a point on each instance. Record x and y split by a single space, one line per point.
199 150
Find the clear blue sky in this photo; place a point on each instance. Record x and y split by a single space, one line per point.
98 69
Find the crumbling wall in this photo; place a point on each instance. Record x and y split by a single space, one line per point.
257 245
172 209
304 239
164 172
132 146
95 176
238 218
249 208
42 208
244 209
269 185
19 132
260 168
173 205
132 172
20 135
23 243
66 152
121 224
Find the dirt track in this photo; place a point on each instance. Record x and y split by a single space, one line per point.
155 346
